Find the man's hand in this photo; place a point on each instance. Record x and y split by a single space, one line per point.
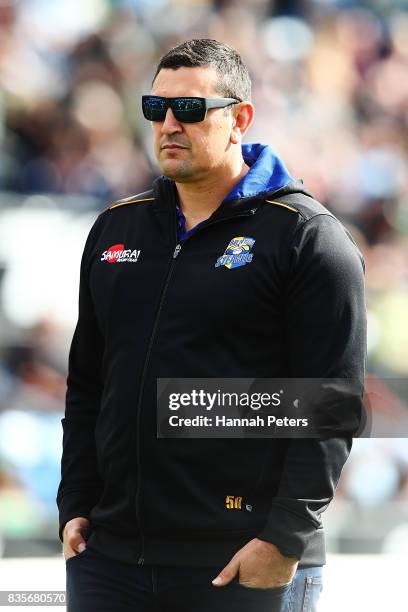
74 536
260 565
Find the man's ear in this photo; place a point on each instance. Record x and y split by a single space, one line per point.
243 116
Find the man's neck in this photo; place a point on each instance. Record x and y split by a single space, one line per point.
200 199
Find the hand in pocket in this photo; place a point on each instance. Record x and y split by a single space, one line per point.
75 534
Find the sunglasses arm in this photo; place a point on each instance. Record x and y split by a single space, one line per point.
218 104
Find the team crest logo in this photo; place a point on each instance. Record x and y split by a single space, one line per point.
237 253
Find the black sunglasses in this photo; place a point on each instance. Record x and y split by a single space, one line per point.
185 109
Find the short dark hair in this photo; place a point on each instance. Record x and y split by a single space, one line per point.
233 76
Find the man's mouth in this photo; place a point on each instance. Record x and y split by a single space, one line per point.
173 146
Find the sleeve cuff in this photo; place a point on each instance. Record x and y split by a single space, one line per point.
72 505
288 531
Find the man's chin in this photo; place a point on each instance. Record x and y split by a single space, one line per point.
177 172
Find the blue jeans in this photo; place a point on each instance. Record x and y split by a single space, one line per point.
98 583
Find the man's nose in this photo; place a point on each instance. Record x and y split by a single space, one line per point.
170 123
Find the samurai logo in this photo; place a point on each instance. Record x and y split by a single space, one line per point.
237 253
118 254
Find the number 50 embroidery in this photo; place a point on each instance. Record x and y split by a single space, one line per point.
232 501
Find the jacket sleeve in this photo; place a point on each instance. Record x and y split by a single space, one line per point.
80 485
326 338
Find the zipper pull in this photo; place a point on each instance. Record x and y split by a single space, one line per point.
176 251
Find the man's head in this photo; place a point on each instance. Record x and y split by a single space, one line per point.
207 69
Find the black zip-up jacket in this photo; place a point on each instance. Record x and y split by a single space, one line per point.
150 307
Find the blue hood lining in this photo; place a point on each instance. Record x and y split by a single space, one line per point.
267 172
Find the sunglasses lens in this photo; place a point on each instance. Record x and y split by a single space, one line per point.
154 109
188 110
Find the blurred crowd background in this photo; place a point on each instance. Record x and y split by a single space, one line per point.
330 88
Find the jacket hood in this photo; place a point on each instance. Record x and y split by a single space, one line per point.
267 174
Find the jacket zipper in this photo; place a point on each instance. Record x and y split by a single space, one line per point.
143 379
146 362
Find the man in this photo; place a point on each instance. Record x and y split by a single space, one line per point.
226 268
